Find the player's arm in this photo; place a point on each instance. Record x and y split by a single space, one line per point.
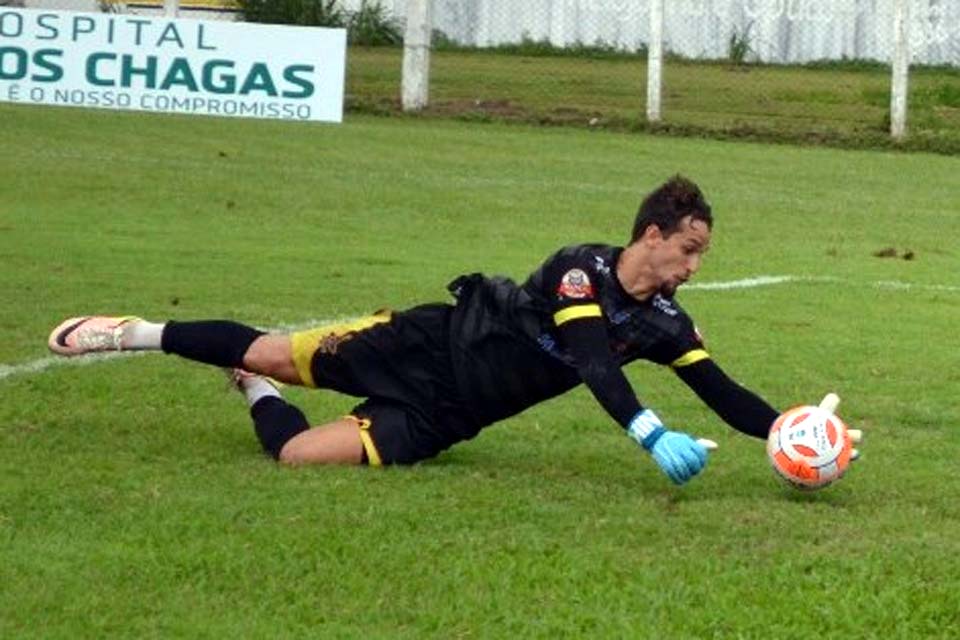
583 333
739 407
578 320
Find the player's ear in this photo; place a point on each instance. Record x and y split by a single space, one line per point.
652 234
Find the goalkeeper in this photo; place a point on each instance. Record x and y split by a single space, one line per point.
437 374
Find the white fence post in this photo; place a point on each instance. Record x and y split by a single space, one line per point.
901 69
171 8
558 26
415 85
655 61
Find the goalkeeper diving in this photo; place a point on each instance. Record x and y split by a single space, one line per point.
437 374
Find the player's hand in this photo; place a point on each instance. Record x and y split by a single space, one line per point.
856 437
830 403
677 454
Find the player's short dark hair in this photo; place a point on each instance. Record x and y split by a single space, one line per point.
670 203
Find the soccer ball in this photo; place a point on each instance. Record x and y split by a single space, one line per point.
809 447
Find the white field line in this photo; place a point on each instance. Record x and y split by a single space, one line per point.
896 284
42 364
763 281
746 283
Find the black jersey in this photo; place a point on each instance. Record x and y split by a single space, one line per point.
505 339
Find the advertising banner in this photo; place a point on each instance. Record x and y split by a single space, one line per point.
208 67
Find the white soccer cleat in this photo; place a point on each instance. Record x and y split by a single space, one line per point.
89 334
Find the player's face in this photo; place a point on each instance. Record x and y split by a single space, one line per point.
676 258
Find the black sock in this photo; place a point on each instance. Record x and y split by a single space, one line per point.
218 342
276 422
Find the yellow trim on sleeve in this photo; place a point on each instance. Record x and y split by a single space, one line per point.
579 311
689 358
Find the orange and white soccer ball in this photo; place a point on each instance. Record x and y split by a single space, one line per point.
809 447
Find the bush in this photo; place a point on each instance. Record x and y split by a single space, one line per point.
739 47
370 25
308 13
373 26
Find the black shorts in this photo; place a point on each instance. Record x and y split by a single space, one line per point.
401 364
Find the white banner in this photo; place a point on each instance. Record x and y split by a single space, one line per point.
172 65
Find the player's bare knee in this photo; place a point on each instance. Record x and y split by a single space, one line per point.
299 450
271 355
290 456
334 443
263 354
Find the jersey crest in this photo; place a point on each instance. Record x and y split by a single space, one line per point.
575 284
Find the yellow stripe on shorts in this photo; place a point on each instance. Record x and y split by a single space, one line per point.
306 343
689 358
579 311
373 456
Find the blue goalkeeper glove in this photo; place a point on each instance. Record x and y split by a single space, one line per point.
677 454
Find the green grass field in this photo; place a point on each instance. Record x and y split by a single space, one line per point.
842 104
135 501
